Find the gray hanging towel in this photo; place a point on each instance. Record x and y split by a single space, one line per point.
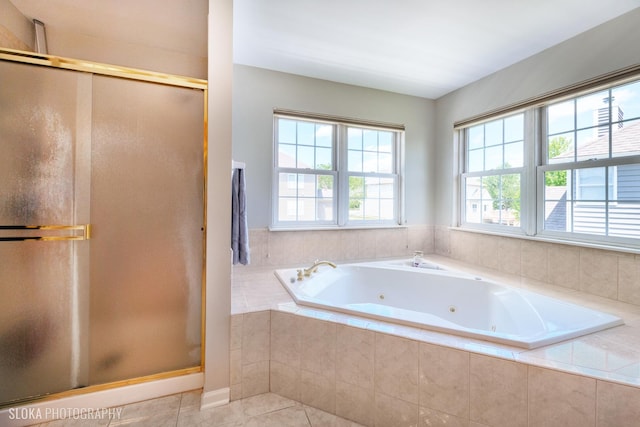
239 230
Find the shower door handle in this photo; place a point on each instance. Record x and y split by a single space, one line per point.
84 229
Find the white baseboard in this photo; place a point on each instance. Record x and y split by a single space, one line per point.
214 398
39 412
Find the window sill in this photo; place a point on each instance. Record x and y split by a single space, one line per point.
548 239
336 228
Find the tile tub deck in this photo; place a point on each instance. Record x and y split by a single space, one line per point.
603 368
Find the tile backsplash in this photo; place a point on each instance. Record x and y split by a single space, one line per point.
279 248
610 274
375 378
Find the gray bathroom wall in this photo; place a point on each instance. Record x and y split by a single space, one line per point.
256 92
608 47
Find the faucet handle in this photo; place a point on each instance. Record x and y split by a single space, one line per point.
300 274
417 258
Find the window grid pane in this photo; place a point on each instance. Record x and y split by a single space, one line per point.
625 138
370 151
496 145
371 198
305 145
601 201
305 197
371 154
597 126
590 173
493 199
305 194
492 148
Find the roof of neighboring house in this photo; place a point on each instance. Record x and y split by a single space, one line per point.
555 192
625 140
555 208
477 192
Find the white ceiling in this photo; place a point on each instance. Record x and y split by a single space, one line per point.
418 47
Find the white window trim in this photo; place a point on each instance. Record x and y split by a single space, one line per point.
529 157
341 175
533 184
614 242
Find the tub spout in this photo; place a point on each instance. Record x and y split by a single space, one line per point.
314 267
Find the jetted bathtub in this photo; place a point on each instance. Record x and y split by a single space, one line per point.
445 301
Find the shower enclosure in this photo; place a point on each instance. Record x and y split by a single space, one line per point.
101 225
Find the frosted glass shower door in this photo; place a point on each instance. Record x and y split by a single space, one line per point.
147 215
126 157
41 136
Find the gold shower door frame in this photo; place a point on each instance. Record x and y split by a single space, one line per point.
57 232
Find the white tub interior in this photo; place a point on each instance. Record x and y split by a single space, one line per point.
446 301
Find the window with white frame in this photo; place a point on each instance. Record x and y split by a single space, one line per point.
335 173
494 160
577 166
592 165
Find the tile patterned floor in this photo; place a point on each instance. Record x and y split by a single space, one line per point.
183 410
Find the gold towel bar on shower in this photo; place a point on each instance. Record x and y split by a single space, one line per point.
85 228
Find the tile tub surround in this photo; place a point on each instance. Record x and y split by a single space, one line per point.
607 273
611 274
376 373
276 248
